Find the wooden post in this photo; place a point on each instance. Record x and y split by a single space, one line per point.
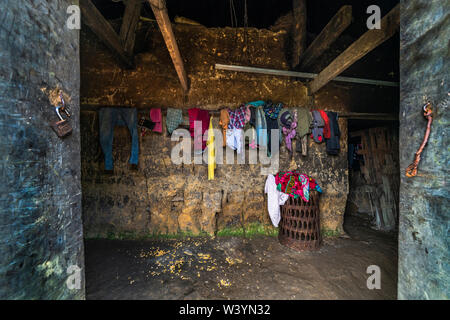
98 24
299 31
327 36
129 25
367 42
160 11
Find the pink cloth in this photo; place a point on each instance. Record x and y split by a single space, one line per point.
155 116
196 114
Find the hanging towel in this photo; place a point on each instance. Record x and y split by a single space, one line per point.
174 118
155 116
108 119
326 127
195 115
211 151
275 199
333 145
223 122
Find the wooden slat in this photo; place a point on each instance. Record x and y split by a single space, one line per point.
162 18
367 42
129 25
287 73
327 36
98 24
299 31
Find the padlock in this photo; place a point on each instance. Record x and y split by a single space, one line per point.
62 127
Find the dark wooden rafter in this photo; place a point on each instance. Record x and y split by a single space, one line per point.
162 18
103 29
299 31
367 42
129 24
327 36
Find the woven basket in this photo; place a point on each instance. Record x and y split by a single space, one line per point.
299 226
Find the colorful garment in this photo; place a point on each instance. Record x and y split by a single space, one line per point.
288 123
326 127
237 118
211 151
272 110
197 115
296 184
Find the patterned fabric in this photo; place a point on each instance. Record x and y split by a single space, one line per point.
237 118
289 125
296 184
272 110
173 119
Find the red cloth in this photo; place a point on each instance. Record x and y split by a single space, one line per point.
326 127
196 114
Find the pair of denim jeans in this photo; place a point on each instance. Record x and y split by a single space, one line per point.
110 118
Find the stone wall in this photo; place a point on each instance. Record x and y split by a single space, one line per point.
40 190
424 199
164 198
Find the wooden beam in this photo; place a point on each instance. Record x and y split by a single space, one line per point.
98 24
129 25
162 18
299 31
327 36
367 42
287 73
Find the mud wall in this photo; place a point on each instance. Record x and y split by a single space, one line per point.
424 199
40 190
165 198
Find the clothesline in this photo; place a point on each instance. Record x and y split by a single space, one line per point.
348 115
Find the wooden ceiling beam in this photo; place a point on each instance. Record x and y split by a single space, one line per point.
129 24
103 29
299 31
162 18
366 43
327 36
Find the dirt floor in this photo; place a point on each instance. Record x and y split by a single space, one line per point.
239 268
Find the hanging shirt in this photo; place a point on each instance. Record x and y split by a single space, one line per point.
275 199
237 117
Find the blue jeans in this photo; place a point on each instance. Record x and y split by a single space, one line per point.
108 119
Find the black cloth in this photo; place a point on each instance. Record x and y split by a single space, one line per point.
333 145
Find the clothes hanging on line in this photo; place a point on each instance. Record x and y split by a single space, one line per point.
211 151
333 145
223 122
317 127
201 116
110 118
235 139
174 118
326 127
304 120
156 117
